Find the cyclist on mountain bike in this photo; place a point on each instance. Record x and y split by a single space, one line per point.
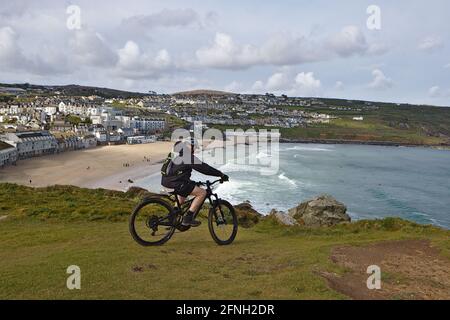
176 174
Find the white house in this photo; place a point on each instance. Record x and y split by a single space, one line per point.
360 118
67 142
31 143
126 132
101 136
114 138
8 154
108 119
72 109
145 125
141 139
50 110
89 141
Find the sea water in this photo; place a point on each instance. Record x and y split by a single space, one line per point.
372 181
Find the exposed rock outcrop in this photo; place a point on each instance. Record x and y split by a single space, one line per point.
247 215
283 218
321 211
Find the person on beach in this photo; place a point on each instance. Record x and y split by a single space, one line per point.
176 174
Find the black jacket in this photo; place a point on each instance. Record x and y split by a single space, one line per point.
177 173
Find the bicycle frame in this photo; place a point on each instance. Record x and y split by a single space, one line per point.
209 196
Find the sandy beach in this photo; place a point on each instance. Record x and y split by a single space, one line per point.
101 167
109 167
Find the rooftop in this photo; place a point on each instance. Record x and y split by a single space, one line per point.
4 145
32 134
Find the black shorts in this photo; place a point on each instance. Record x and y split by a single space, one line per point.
185 189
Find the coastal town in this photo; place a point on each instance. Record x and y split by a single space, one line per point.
39 122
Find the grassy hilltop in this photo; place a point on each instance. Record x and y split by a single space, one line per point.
382 122
46 230
403 124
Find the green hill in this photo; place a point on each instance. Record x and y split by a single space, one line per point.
76 90
45 230
383 122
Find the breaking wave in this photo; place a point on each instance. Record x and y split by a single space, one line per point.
284 178
301 148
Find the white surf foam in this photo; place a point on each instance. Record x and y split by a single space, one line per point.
236 167
233 190
299 148
284 178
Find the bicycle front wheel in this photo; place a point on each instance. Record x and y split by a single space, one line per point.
222 222
152 222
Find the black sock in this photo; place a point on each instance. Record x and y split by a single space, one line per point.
190 213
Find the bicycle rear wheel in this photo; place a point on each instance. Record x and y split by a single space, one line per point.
152 222
222 222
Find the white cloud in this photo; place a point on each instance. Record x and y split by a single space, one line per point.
281 81
50 60
225 53
349 41
284 49
304 83
11 55
13 8
380 81
164 18
307 84
447 66
89 48
290 49
434 91
134 64
233 86
431 43
339 85
43 50
438 92
278 81
258 86
130 55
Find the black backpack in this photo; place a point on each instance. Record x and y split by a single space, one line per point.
166 165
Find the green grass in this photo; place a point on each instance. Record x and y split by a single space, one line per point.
424 125
64 203
403 124
49 229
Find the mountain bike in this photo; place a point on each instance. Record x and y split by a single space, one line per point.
154 221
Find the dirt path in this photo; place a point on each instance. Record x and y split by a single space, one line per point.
410 269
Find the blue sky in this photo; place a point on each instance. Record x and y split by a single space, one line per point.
302 48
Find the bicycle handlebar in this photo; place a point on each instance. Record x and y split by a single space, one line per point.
209 183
